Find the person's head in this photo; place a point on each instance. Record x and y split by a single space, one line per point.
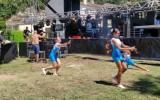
26 28
127 51
73 18
115 32
35 32
58 39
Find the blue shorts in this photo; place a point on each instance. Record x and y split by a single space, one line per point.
36 48
53 57
117 56
116 59
129 61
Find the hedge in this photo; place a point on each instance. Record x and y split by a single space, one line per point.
16 36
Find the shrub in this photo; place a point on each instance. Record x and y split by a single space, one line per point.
16 36
2 25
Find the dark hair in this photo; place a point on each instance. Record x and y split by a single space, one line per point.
114 30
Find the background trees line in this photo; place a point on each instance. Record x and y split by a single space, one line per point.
11 7
115 1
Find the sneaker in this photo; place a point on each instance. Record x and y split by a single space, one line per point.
121 86
44 72
59 74
55 74
115 79
147 70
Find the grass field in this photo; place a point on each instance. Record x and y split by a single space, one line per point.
83 77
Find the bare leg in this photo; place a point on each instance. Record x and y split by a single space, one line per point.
124 68
58 64
49 68
137 66
53 67
120 70
36 57
27 39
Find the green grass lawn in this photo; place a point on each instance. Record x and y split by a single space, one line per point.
83 77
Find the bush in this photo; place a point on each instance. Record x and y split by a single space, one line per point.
30 37
2 25
16 36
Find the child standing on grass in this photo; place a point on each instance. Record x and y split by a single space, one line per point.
54 57
129 61
117 47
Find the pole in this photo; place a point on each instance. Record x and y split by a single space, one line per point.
155 16
128 23
31 14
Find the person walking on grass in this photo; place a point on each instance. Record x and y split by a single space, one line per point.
129 61
117 47
54 57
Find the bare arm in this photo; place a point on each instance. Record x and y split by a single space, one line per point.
64 44
3 42
122 49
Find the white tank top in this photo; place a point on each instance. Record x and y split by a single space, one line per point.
117 40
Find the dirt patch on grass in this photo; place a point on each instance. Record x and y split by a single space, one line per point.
75 65
7 76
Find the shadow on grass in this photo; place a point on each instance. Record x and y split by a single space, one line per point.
132 68
157 65
147 85
30 61
105 83
33 61
90 58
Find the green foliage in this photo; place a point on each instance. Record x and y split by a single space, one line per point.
10 7
115 1
17 36
2 25
30 37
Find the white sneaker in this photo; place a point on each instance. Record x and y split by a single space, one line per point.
55 74
147 70
44 72
121 86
